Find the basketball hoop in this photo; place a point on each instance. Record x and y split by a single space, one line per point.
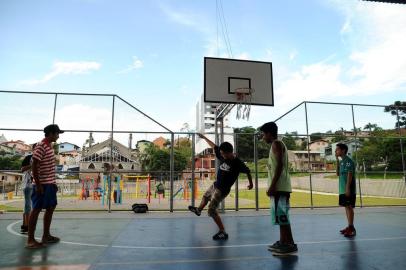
244 97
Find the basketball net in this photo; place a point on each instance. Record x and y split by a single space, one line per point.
244 96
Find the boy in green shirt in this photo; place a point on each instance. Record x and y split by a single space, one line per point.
347 191
279 190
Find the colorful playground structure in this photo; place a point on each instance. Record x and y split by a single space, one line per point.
133 187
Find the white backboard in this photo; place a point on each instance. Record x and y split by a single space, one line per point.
223 75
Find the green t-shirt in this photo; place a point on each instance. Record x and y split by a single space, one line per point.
283 184
346 165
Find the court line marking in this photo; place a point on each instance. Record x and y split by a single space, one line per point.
12 231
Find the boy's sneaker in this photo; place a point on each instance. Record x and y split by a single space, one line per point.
285 249
220 236
195 210
24 229
274 246
351 232
343 231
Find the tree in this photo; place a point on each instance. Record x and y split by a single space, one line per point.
316 136
155 159
370 127
290 141
245 144
398 109
10 162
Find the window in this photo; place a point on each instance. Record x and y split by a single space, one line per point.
62 146
91 166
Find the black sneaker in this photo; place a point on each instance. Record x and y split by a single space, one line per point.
285 249
220 236
274 246
195 210
24 229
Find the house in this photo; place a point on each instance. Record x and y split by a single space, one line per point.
67 147
160 142
329 151
318 145
98 154
7 150
8 181
2 139
299 160
19 146
142 145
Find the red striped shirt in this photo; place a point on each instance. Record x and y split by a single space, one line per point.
44 153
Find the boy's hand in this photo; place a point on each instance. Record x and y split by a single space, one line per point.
40 189
271 191
250 186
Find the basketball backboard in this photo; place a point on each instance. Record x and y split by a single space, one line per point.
222 76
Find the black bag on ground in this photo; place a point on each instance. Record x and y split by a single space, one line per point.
140 208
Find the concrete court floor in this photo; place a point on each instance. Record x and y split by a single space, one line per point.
180 240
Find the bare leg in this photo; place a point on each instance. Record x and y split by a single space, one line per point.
203 203
47 223
32 224
286 234
219 223
350 215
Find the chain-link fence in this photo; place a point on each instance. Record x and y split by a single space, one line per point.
113 155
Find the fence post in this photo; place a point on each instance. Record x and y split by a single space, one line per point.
401 144
256 171
308 155
53 116
193 168
171 173
236 182
111 153
356 151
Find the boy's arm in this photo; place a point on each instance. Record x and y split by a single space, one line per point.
212 144
348 185
277 149
337 167
250 185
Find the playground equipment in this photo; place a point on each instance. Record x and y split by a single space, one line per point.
90 188
184 192
139 191
117 187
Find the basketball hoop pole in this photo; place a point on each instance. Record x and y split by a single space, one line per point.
222 111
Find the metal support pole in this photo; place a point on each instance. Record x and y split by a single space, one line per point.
223 204
236 182
171 174
401 145
111 153
193 168
356 156
53 116
256 171
308 153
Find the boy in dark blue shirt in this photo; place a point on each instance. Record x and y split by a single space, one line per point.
227 173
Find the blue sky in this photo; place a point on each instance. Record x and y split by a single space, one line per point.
151 53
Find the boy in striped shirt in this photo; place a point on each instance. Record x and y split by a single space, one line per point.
44 188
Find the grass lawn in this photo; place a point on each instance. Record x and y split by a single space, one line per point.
374 176
302 199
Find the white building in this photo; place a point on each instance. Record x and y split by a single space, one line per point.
205 124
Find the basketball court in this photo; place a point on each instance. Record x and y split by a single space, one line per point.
122 240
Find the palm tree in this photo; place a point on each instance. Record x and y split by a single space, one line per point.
370 126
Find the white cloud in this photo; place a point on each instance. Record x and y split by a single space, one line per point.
65 68
243 56
136 64
375 64
292 55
